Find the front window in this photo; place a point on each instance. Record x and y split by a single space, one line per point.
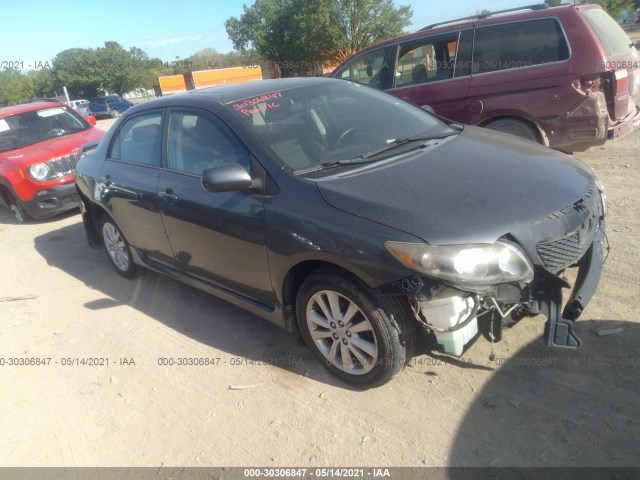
197 142
311 125
369 69
29 128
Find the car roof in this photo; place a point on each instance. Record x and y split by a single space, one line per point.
27 107
238 91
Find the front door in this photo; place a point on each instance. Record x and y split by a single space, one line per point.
217 237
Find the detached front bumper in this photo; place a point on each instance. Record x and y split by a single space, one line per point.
558 329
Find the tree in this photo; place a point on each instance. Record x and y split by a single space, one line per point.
365 22
15 87
614 7
79 70
293 34
552 3
299 35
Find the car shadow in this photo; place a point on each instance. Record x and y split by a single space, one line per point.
8 217
585 399
185 309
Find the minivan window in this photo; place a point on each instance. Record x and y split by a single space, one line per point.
368 69
613 38
429 60
519 44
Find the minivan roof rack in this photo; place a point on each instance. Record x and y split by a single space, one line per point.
539 6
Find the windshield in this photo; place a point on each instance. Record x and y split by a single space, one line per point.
28 128
313 125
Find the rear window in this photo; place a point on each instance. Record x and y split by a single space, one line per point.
518 45
97 100
613 38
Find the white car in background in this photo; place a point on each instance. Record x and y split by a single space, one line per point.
81 106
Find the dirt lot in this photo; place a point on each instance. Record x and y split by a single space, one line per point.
264 401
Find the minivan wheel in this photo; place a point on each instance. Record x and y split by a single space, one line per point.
115 113
516 127
117 248
358 335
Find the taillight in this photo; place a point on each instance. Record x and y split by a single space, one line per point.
621 83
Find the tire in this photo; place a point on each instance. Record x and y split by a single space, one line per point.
117 248
115 113
372 346
519 128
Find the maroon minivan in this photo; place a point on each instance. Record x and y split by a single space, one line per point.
565 76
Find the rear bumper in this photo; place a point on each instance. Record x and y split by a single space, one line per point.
52 201
625 127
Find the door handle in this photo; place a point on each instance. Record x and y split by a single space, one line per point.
168 196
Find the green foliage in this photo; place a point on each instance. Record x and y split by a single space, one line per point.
552 3
291 33
299 35
614 7
15 87
365 22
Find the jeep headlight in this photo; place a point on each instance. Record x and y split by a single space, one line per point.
474 267
39 171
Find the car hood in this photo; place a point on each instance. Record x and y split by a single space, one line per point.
472 188
55 147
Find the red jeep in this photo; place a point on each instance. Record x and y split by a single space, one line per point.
39 148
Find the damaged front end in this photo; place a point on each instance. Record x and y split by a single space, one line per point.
463 289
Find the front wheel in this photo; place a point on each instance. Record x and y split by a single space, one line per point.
362 337
117 247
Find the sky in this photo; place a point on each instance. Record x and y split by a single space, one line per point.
33 32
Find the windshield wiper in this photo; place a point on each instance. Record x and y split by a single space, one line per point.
455 129
403 141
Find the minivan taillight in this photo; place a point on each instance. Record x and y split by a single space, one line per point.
621 83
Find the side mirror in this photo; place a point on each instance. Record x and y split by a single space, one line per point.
428 108
227 178
91 119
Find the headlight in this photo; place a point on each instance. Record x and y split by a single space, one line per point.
39 171
472 267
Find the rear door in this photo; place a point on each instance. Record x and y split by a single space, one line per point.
130 174
434 71
217 237
521 69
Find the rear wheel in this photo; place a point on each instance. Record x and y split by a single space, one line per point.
358 335
516 127
117 248
115 113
